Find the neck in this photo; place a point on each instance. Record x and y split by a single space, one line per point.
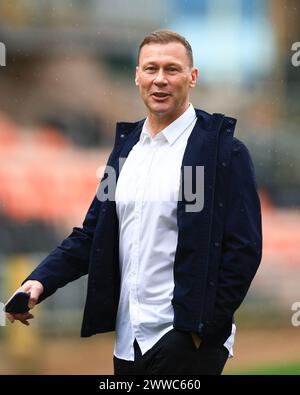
158 122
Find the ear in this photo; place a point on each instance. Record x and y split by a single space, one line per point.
136 76
194 77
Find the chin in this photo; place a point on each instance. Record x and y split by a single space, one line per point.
159 109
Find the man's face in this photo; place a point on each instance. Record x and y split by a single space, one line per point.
164 77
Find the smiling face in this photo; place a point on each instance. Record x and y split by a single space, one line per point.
164 77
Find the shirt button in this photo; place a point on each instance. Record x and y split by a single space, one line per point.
220 204
224 164
216 244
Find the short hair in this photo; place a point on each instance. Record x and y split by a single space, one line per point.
166 37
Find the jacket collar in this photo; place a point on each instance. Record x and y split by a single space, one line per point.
125 128
128 134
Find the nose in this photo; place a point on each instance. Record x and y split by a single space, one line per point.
160 78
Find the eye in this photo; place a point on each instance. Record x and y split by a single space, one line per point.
172 69
150 69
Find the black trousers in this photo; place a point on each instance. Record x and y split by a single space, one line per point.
174 353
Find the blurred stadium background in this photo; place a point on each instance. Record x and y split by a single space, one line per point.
68 78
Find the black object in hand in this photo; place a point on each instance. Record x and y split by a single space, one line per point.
18 303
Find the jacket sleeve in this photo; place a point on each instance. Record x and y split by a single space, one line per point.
242 242
70 260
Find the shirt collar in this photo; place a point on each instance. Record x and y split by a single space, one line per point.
172 131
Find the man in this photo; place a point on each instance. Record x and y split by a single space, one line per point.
165 273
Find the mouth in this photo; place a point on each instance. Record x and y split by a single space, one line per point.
160 96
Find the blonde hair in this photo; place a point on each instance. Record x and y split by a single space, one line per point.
166 37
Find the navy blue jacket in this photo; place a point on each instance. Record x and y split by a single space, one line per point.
218 249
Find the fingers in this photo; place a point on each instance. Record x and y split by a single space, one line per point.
23 318
26 287
10 317
35 293
34 289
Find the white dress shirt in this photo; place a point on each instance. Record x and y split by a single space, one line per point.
146 201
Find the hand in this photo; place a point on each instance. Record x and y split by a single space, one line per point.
196 339
35 288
